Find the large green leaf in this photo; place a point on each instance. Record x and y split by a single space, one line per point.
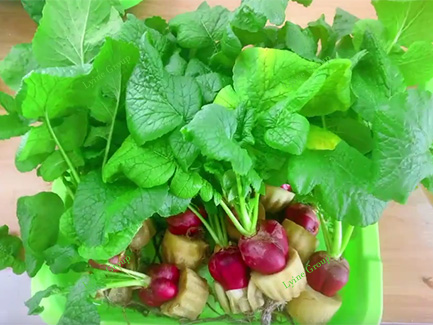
39 214
12 125
200 28
405 21
186 185
262 77
374 79
71 32
212 130
147 166
34 8
157 102
403 135
416 64
340 180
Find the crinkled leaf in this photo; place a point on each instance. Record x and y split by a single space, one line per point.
80 309
176 65
184 151
147 166
200 28
227 97
323 31
72 31
33 304
19 62
173 205
343 23
285 131
39 214
246 122
156 102
374 79
11 248
62 258
212 130
298 40
12 126
186 184
403 135
210 84
262 77
340 181
132 30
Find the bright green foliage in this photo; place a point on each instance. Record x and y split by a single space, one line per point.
212 130
201 28
55 45
19 62
11 249
11 125
405 21
34 8
186 185
34 302
340 183
391 154
158 102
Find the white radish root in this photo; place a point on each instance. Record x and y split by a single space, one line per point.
277 286
182 251
191 299
276 199
303 241
255 296
312 307
143 236
222 298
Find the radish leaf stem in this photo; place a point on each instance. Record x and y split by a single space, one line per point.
233 218
207 226
325 232
346 238
336 243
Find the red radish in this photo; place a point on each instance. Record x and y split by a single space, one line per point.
186 223
268 250
228 268
304 216
164 271
114 260
330 276
158 292
286 187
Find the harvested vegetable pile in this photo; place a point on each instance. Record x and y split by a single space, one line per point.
172 146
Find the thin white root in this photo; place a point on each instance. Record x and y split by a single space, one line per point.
277 286
183 251
221 297
312 307
143 236
191 299
303 241
276 199
255 296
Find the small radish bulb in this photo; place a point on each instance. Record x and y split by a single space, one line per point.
268 250
228 268
164 271
186 223
325 274
304 216
158 292
286 187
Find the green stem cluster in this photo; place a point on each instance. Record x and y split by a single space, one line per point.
216 227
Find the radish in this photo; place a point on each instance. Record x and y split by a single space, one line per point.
186 223
159 291
304 216
286 187
267 250
228 268
143 236
300 239
164 271
327 275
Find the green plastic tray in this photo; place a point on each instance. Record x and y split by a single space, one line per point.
362 296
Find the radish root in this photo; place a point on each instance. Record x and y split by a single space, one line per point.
303 241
